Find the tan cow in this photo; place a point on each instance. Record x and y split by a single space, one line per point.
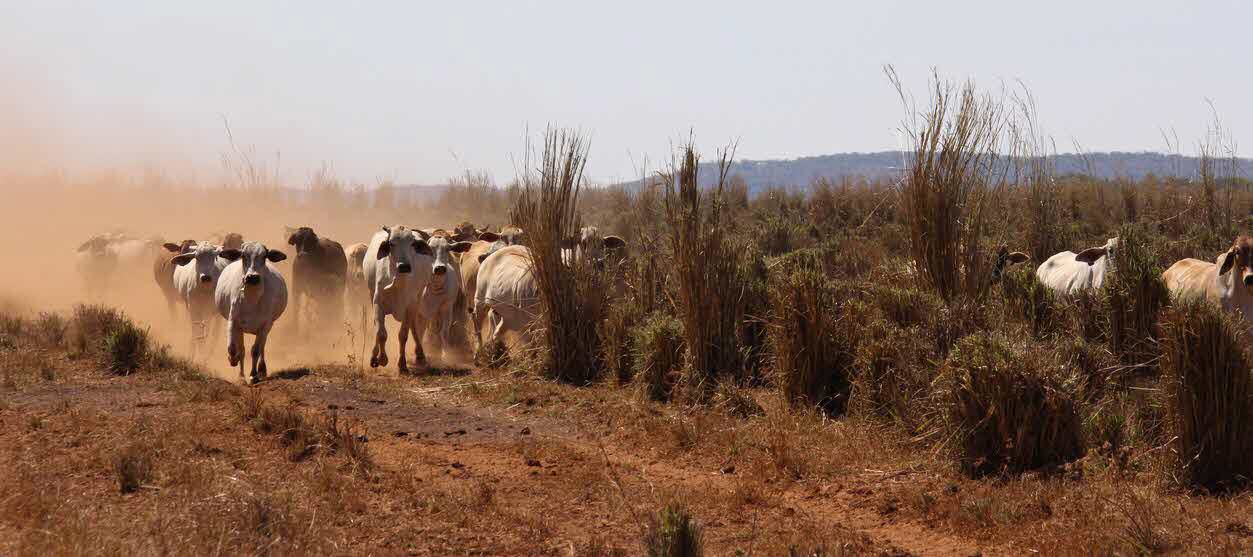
1228 281
163 273
507 294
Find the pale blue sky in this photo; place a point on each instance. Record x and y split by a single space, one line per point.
421 91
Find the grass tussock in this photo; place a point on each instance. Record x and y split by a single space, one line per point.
1134 295
951 178
133 466
657 345
127 348
571 296
811 340
1006 407
672 532
708 276
1210 399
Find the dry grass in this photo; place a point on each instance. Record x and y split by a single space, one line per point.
811 339
1208 380
571 296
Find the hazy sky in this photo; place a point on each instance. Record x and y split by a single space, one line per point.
420 91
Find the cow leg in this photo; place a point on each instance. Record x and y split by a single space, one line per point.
234 346
401 364
379 355
258 350
419 328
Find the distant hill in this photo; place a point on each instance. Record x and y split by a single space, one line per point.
800 172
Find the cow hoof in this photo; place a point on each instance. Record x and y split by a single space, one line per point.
374 362
402 368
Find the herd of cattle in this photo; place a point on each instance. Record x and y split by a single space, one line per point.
424 277
419 277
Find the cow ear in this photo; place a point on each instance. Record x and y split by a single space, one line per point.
483 256
421 233
614 242
1019 257
172 248
1229 260
230 254
385 249
1090 255
489 236
182 259
274 256
460 247
386 229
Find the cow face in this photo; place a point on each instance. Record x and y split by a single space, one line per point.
1092 255
591 247
204 256
442 249
1005 259
253 256
1238 261
304 239
404 246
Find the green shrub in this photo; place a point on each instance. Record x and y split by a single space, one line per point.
1027 300
657 345
893 374
126 348
1208 379
1006 407
673 533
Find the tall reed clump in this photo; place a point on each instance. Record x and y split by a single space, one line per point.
1210 399
571 300
1006 408
953 172
810 340
1034 169
657 346
673 533
707 271
1134 295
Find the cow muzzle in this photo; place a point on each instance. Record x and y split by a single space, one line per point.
252 280
204 279
1248 280
403 268
439 270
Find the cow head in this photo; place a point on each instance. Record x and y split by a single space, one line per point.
465 231
508 236
304 239
1092 255
442 247
1238 261
1005 259
590 246
204 256
97 245
253 256
182 247
404 247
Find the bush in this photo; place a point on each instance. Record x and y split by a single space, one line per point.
1028 300
133 467
91 325
1208 387
1009 412
810 338
1133 295
50 328
894 375
126 348
571 298
616 357
673 533
906 307
708 273
658 348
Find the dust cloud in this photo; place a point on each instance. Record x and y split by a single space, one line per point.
50 203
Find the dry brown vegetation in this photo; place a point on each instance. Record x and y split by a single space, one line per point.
831 372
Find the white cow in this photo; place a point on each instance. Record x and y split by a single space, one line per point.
1070 273
506 294
95 265
1228 281
397 267
441 293
356 292
195 278
251 295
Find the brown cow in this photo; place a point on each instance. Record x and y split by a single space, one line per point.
319 273
1228 281
163 272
